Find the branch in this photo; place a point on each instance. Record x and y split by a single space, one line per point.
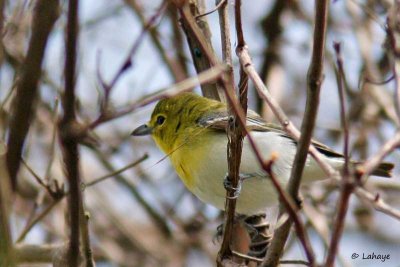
209 75
69 139
235 132
173 66
127 64
372 163
199 40
44 17
347 187
117 172
217 7
37 219
153 214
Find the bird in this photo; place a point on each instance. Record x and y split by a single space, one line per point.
191 131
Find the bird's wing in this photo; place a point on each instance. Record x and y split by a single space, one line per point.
219 121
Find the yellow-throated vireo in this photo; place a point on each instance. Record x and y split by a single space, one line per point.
191 130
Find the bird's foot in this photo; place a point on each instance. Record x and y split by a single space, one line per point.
260 236
229 187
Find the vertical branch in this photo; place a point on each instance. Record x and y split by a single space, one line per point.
44 17
6 250
314 79
235 139
199 40
347 185
68 135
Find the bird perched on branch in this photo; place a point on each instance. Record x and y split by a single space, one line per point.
191 130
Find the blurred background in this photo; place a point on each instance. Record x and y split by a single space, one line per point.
144 216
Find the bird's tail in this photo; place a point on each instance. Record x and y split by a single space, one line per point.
384 169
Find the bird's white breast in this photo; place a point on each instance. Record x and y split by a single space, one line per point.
257 191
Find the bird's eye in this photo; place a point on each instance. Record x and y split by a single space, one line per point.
160 120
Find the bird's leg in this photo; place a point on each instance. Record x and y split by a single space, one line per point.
228 185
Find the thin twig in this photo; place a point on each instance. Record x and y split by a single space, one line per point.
127 167
206 76
37 219
128 60
175 69
61 193
217 7
373 162
154 215
347 185
36 176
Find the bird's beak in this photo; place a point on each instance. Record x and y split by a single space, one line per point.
142 130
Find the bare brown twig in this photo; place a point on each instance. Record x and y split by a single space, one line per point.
217 7
174 67
131 165
188 84
347 186
128 60
154 215
36 219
